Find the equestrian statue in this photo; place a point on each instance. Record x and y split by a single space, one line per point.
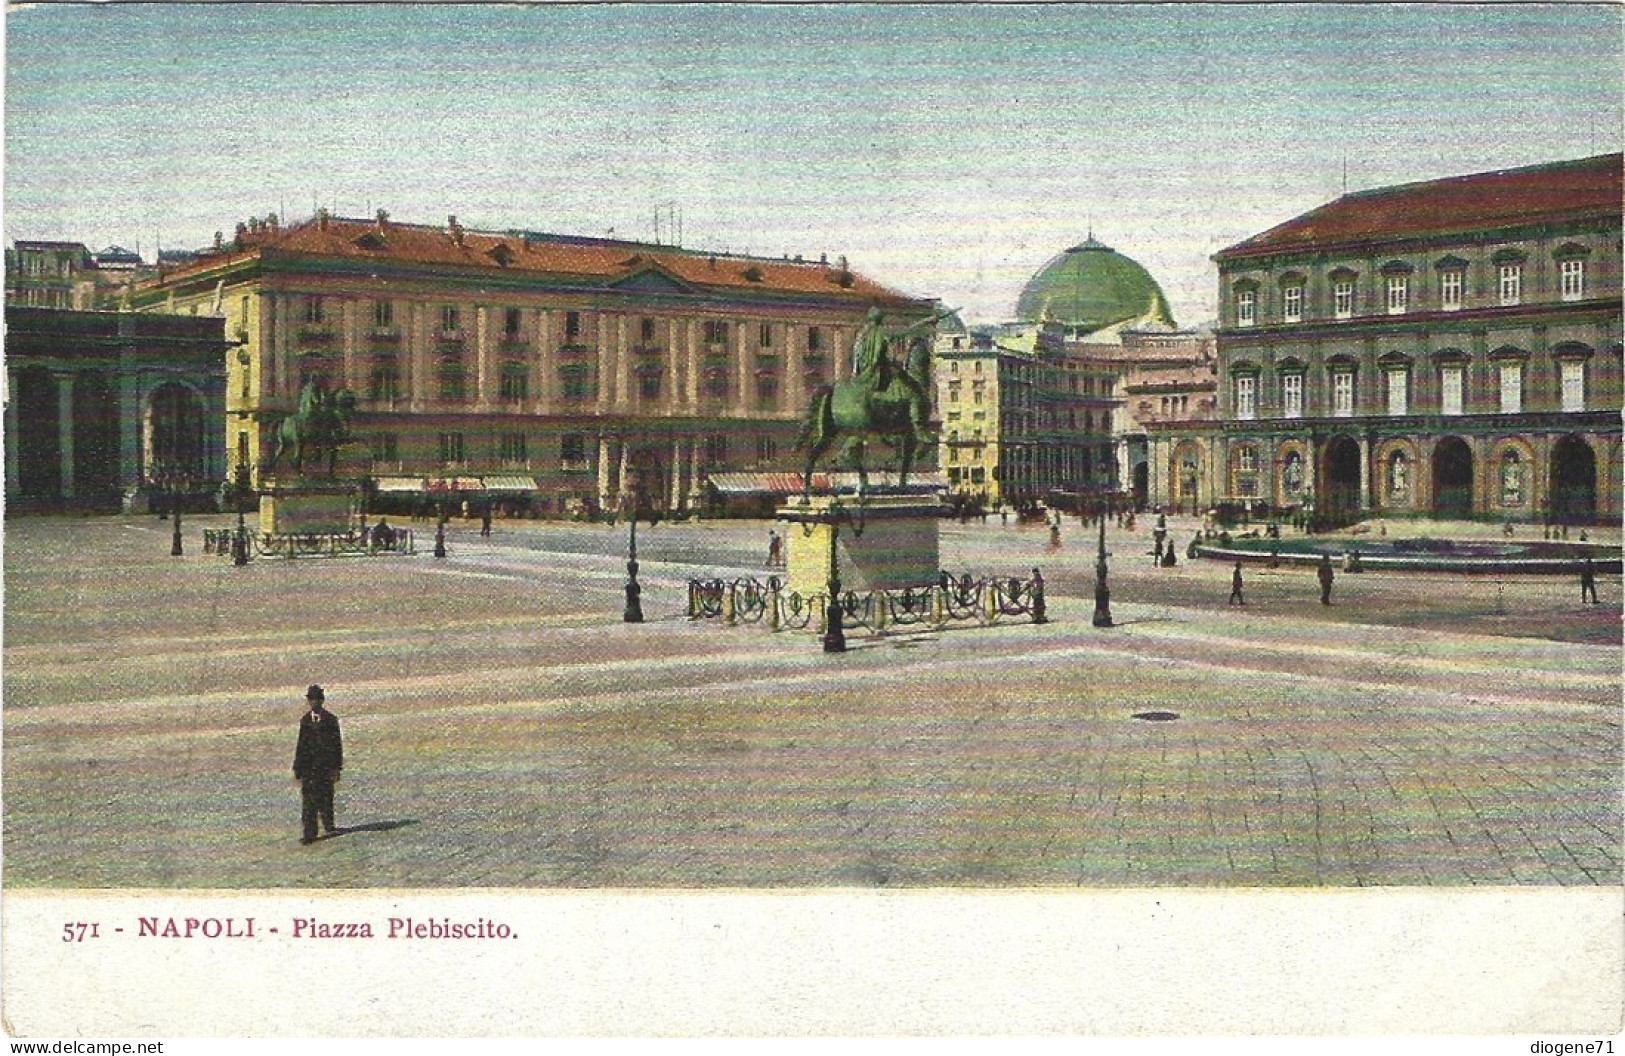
883 400
319 427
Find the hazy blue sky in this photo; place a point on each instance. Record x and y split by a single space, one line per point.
948 151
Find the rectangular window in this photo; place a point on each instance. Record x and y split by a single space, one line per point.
514 385
383 314
451 319
1292 304
1511 388
764 336
1343 299
1246 307
1292 395
451 447
767 391
512 448
385 447
1343 394
1450 390
767 449
1511 284
1399 393
1574 279
815 339
511 320
1572 373
453 381
716 331
384 384
572 325
716 450
314 311
573 448
646 330
1399 294
1246 393
1450 287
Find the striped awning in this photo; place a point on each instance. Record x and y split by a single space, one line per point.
509 483
791 483
400 484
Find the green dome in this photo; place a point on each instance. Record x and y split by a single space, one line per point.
1092 286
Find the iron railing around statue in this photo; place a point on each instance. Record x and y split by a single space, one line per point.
311 544
964 599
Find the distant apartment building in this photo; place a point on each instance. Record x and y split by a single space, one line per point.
565 372
1449 348
68 275
1023 418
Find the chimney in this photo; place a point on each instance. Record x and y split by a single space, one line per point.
454 229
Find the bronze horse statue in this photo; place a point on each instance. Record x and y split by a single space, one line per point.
883 400
319 427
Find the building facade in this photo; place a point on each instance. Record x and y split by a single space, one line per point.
1024 419
1449 349
569 373
102 406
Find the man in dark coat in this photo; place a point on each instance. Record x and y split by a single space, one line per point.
1588 580
317 761
1325 574
1235 586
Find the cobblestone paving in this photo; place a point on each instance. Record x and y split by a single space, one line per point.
505 729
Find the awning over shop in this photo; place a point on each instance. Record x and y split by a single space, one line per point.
510 483
791 483
400 484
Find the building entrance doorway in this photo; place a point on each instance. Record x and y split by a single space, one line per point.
1340 476
1142 484
1573 481
1452 479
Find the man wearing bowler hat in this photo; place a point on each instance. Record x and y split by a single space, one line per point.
316 763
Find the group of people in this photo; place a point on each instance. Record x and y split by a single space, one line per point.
1323 573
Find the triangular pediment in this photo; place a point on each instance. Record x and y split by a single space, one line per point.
651 278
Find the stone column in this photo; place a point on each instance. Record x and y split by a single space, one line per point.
622 368
795 370
1367 501
482 358
742 370
691 383
604 491
13 481
64 431
620 473
674 499
670 401
606 365
417 353
277 348
546 362
354 372
694 470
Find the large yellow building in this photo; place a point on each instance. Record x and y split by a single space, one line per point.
557 371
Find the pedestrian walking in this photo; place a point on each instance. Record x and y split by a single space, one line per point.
1326 575
1235 587
1156 555
775 550
485 522
1588 581
317 761
1055 537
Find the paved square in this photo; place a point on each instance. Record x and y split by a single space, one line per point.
504 728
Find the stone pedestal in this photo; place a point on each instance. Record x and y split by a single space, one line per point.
883 542
306 506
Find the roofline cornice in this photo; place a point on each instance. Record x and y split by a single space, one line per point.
1276 256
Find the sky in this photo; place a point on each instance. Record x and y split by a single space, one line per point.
947 151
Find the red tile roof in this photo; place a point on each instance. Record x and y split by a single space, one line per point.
592 260
1558 191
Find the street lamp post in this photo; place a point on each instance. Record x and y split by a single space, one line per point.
834 631
634 604
239 542
1103 594
177 496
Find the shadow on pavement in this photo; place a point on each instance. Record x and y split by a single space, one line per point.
371 826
